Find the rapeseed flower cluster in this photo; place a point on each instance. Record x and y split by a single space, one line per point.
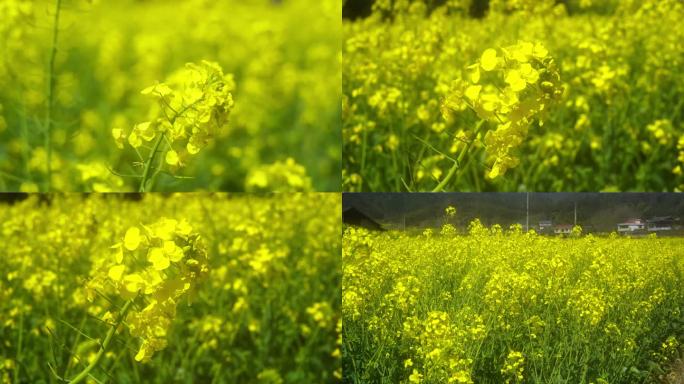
531 83
513 367
193 105
157 265
185 119
284 176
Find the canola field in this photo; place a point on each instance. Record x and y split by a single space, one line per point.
533 95
173 96
185 288
504 306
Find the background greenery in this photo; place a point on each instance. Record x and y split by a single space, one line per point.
285 57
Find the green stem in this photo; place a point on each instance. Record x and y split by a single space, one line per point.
51 96
19 344
148 163
460 158
12 177
103 348
75 345
24 138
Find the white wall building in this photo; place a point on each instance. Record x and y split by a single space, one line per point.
631 225
563 229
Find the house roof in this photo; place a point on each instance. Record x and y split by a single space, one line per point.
564 226
632 222
662 218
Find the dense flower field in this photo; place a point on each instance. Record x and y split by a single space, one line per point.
543 95
495 306
174 96
188 288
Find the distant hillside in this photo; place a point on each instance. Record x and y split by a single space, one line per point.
598 210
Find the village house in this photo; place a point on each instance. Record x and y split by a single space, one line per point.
545 226
563 229
631 225
664 223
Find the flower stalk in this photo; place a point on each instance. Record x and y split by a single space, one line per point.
461 157
105 344
148 164
51 96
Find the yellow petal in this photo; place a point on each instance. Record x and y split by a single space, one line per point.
523 51
141 353
133 282
134 140
488 60
153 279
116 272
192 149
117 133
490 102
148 90
107 317
118 253
540 51
145 131
184 227
132 238
165 229
473 92
494 173
515 81
159 261
474 71
159 90
172 157
174 252
528 73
